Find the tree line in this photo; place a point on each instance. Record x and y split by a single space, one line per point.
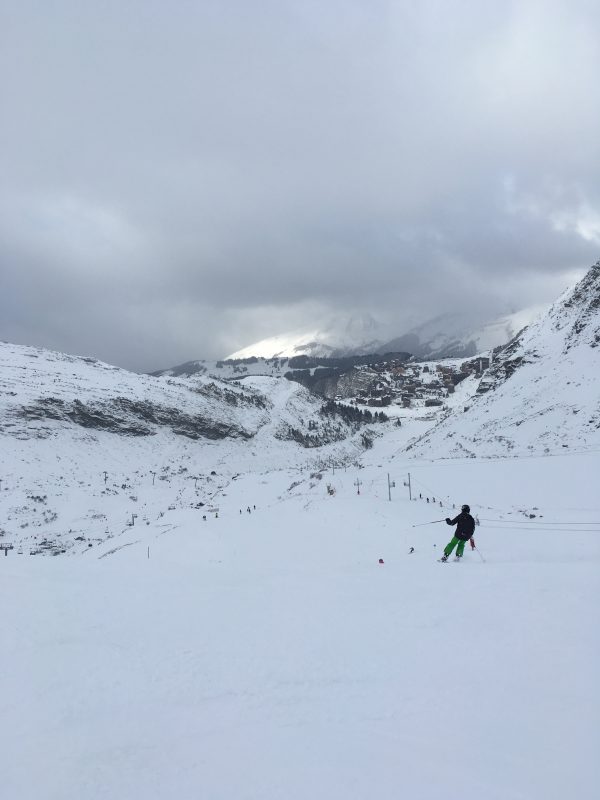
352 413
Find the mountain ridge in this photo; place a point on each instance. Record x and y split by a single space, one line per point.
450 335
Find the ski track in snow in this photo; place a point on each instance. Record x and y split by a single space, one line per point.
269 654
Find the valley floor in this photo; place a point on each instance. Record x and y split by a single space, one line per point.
267 654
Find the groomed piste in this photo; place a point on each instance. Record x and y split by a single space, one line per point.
268 653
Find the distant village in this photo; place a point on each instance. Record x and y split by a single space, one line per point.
373 380
405 384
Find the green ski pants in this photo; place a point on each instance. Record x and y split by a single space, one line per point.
452 544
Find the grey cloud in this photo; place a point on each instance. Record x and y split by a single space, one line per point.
180 181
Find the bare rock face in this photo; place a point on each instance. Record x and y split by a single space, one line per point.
584 303
128 418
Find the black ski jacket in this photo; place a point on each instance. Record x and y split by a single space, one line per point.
465 527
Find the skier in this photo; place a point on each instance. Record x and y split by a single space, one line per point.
465 527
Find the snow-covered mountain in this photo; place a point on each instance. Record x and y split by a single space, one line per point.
542 391
455 335
46 394
462 335
357 335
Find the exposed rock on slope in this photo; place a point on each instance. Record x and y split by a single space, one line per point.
130 417
41 392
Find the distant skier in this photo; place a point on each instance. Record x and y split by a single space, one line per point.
465 527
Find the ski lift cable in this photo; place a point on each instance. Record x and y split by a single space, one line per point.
537 522
447 501
449 462
542 530
495 508
446 497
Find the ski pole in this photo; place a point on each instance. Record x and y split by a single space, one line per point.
433 521
479 554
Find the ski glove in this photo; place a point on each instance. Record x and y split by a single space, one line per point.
448 521
472 540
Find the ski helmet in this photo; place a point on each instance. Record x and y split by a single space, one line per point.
465 508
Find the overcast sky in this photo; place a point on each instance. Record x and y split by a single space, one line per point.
180 178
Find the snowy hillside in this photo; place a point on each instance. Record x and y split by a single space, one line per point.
543 389
83 444
227 370
43 391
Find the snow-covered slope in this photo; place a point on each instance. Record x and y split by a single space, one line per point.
43 392
228 370
82 443
268 655
543 388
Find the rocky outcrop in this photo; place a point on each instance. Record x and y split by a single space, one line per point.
584 302
126 417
